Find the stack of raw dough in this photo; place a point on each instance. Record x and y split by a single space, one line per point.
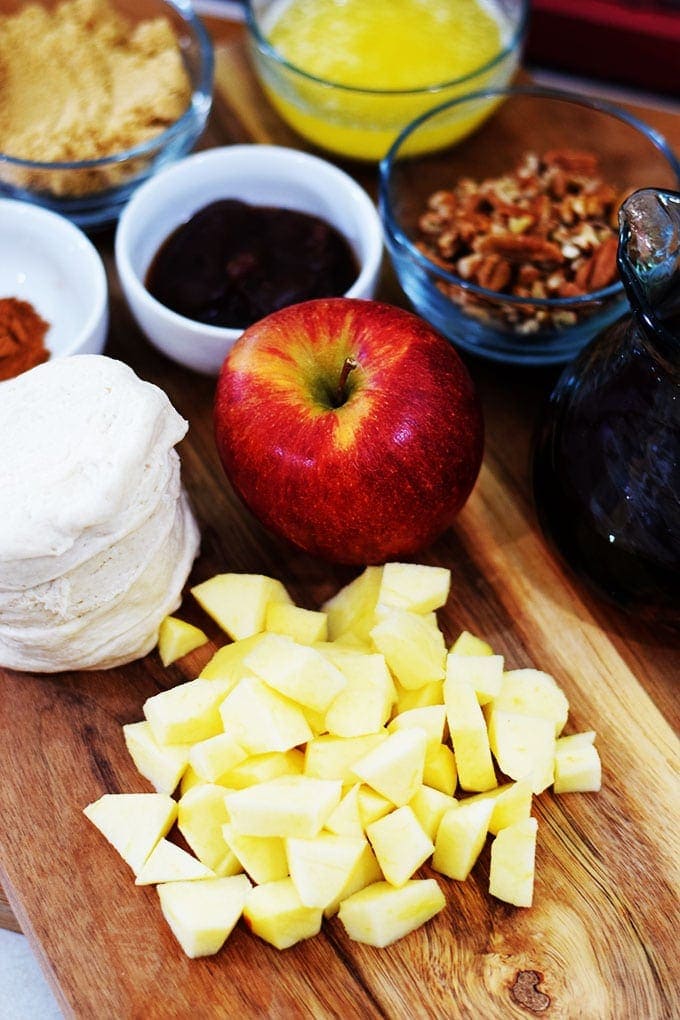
96 535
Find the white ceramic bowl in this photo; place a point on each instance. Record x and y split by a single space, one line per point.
258 174
46 260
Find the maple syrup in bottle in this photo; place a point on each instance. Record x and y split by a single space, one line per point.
606 460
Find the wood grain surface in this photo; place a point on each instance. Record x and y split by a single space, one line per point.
601 940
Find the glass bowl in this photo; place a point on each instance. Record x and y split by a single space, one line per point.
92 192
362 123
530 330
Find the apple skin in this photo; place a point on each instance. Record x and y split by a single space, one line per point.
380 476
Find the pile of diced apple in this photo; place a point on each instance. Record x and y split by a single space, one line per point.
318 756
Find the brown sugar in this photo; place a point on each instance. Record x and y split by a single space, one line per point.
80 82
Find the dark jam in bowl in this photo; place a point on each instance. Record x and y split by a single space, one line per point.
233 263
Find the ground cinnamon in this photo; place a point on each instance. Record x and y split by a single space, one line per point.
22 335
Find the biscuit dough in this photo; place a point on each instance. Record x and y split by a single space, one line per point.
97 537
79 82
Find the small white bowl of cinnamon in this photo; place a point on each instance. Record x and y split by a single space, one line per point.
53 289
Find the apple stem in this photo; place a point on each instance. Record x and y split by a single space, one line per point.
340 395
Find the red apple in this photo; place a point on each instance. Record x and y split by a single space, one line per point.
350 427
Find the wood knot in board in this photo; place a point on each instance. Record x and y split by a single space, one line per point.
526 993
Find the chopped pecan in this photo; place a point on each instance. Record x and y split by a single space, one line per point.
527 273
574 161
448 243
431 223
444 202
469 266
546 229
568 288
600 270
494 273
519 248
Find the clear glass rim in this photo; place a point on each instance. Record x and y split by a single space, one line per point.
270 51
201 94
398 237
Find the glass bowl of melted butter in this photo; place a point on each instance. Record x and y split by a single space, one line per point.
349 75
97 95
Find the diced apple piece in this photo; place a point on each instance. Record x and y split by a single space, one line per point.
413 646
290 806
200 816
429 806
460 838
419 697
321 867
189 780
211 758
177 638
162 764
400 844
511 803
262 720
238 602
261 767
511 874
358 710
187 713
365 872
227 662
275 912
468 644
303 625
329 757
412 586
395 767
315 720
133 823
574 740
372 805
351 643
380 914
366 667
346 819
577 764
263 857
431 718
440 769
524 746
365 704
169 863
296 671
352 609
532 692
356 661
483 672
469 737
202 915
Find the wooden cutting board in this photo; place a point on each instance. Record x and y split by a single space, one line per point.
601 940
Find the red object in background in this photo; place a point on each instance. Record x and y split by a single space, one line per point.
635 44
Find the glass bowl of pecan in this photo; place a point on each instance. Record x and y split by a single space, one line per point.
507 242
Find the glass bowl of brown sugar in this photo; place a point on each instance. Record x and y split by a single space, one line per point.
507 242
97 96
